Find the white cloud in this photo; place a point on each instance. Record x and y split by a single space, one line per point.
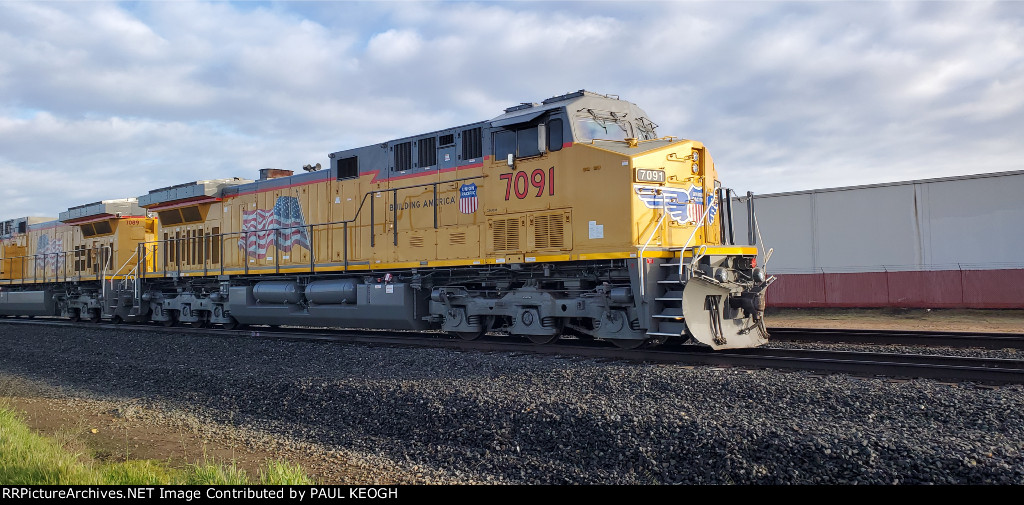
394 46
787 95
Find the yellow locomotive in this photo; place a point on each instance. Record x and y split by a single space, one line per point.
569 216
69 265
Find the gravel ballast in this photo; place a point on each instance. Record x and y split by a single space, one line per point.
474 417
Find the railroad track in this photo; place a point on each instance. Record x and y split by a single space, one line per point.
900 337
988 370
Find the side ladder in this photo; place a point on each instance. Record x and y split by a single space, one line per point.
667 307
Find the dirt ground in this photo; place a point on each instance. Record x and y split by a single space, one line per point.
1002 321
113 432
104 432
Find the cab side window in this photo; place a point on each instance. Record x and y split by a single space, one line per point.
555 135
529 142
521 143
504 144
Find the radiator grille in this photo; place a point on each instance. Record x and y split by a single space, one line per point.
415 241
549 231
458 238
506 234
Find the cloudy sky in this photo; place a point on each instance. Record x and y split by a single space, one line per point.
109 100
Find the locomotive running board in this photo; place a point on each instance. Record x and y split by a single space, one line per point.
703 305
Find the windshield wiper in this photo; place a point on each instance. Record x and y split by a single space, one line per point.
619 121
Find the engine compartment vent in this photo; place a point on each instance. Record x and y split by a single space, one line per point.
505 234
549 231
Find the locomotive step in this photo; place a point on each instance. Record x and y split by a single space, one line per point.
670 312
671 296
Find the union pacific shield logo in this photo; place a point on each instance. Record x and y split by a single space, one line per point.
467 198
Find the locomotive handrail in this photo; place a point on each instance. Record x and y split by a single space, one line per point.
767 251
698 254
60 267
131 276
640 257
244 234
34 259
687 244
116 273
103 281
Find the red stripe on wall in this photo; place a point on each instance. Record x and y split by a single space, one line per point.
797 290
978 289
994 289
937 289
856 290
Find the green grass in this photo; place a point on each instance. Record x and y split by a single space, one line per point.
281 472
28 458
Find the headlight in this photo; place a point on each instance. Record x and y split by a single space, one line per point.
695 168
696 156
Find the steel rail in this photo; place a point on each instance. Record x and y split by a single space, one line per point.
988 340
988 370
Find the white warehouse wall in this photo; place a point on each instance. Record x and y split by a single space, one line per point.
968 222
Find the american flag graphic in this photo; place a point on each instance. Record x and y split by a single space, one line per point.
683 205
695 207
49 253
285 218
467 198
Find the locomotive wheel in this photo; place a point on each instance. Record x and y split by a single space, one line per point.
94 316
116 320
74 315
233 325
469 335
203 321
172 319
542 339
627 343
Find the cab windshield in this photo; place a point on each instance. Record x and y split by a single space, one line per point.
600 125
591 128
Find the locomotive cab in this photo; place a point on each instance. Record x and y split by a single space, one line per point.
625 189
